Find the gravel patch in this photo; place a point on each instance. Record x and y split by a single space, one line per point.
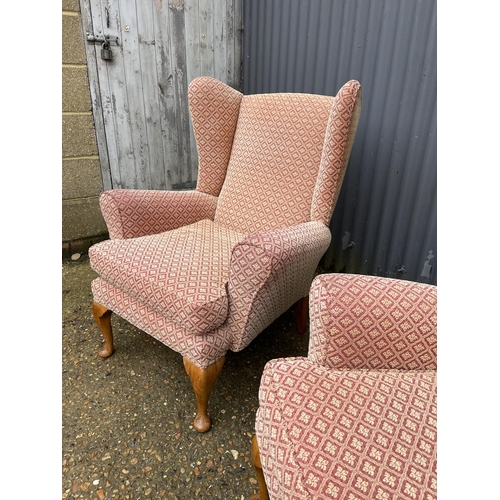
127 429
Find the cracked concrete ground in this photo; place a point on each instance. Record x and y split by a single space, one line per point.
127 420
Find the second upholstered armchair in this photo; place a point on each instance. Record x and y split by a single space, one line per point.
206 271
357 418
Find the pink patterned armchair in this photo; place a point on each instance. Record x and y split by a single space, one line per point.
206 271
356 419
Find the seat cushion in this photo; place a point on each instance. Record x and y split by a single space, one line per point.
181 274
357 434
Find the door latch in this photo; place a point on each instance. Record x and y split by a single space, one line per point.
110 40
106 41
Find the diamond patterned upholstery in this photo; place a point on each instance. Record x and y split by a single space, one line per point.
348 422
340 132
181 274
274 161
373 322
132 213
201 349
214 110
207 270
288 159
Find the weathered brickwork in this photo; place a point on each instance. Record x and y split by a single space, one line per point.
82 222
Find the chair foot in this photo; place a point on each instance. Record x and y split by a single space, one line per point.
257 465
102 316
202 382
302 314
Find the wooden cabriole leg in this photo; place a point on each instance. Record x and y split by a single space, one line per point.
302 314
202 382
257 466
102 316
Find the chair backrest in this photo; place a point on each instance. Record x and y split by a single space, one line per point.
274 160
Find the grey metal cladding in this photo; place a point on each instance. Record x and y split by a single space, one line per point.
385 220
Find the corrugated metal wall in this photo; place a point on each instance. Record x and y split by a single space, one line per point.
385 220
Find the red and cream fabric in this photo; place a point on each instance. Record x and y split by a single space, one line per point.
200 349
267 272
275 270
340 132
181 274
372 322
274 161
214 108
220 263
130 213
347 434
341 424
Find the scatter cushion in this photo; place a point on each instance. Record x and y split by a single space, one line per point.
347 434
181 274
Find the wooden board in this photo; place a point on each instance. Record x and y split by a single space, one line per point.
139 98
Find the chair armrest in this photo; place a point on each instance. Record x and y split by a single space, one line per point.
286 245
130 213
372 322
269 272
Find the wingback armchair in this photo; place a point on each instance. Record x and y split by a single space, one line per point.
356 419
205 271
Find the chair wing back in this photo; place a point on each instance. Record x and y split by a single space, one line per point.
340 133
214 108
372 322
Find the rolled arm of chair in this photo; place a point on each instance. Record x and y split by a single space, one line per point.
130 213
269 272
294 246
372 322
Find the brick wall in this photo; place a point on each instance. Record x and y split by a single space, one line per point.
82 222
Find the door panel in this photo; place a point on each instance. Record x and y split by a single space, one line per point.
139 98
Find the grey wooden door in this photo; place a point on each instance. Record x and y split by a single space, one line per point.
139 98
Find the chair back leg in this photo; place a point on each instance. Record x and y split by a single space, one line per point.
302 314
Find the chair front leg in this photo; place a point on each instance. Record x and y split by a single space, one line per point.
202 382
102 316
257 466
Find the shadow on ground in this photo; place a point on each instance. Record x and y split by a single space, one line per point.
127 420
